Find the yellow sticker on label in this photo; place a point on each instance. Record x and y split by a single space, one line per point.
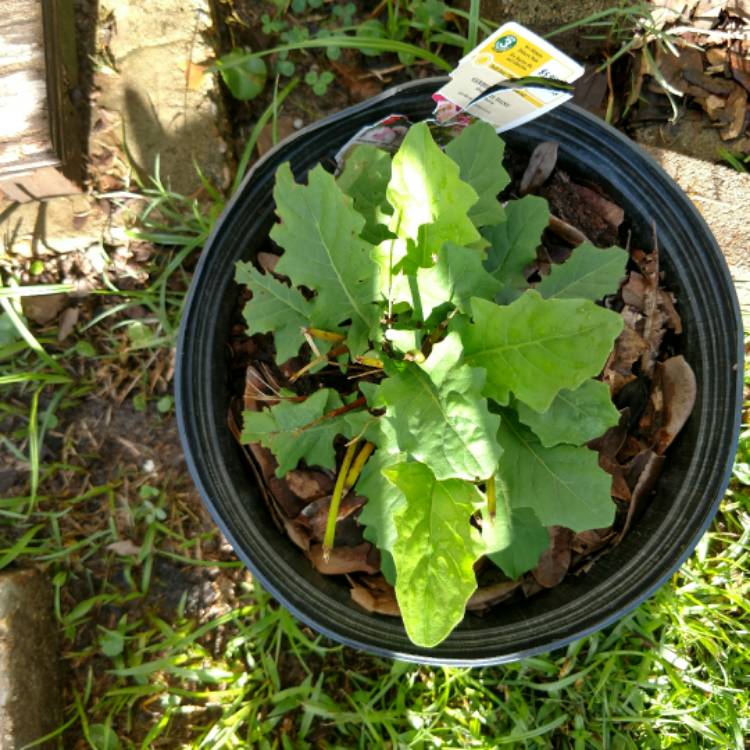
512 55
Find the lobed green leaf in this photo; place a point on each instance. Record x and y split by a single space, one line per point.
515 538
534 347
274 307
384 498
479 154
457 276
590 273
365 178
564 485
434 552
513 243
430 201
320 233
439 415
574 417
290 430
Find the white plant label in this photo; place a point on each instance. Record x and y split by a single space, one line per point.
511 52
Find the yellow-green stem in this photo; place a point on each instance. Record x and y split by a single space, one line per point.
338 492
316 361
370 362
358 465
325 335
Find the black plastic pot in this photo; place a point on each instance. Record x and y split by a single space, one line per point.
699 463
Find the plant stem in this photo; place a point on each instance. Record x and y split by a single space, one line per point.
316 361
491 497
338 491
358 465
325 335
370 362
361 401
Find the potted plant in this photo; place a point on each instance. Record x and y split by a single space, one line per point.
426 319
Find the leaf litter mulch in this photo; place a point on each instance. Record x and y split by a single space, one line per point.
650 382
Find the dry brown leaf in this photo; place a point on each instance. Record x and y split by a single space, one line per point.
43 308
672 66
679 388
566 232
629 347
488 595
591 91
666 303
375 602
620 488
124 548
739 64
541 163
611 441
715 107
737 111
634 291
308 484
268 261
710 84
612 214
360 85
643 473
555 560
363 558
290 505
315 514
67 322
654 319
590 541
298 534
717 55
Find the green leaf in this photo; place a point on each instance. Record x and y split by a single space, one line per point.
515 539
276 308
383 498
535 347
564 485
513 243
8 332
367 171
574 417
430 200
320 233
479 154
434 552
590 273
103 737
457 276
112 643
439 415
244 75
405 340
280 428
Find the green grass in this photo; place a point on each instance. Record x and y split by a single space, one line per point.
169 643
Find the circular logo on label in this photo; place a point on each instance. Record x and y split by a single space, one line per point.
505 42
